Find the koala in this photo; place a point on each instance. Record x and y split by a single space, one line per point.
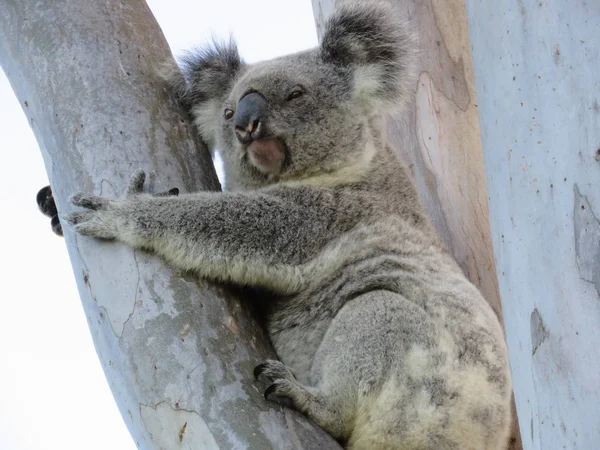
381 339
47 206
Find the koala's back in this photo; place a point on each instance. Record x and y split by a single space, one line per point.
390 330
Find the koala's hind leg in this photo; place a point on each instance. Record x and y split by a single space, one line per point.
306 399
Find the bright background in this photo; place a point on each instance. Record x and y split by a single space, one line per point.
53 394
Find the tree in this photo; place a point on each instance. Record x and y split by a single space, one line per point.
178 353
538 75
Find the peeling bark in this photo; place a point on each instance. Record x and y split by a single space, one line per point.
178 353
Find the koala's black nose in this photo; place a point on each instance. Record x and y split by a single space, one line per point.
248 117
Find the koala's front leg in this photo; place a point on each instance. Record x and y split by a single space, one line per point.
253 238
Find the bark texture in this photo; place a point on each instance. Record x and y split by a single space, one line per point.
537 66
178 353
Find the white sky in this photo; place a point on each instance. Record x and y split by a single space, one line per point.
53 394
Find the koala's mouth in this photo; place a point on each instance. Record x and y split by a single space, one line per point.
267 155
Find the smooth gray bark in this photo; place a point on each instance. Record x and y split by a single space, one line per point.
178 353
537 66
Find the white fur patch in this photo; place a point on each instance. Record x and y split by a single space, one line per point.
367 81
209 260
206 119
345 174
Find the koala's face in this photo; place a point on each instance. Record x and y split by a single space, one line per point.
289 118
304 114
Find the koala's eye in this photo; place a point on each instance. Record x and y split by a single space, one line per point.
294 94
228 113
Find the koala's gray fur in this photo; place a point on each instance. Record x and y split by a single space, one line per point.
383 342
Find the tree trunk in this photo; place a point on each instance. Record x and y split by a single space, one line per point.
538 76
438 139
178 353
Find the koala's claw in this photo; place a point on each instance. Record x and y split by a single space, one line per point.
171 192
92 223
272 370
270 390
282 381
284 392
258 370
89 201
77 217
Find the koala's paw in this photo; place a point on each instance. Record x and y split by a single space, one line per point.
272 370
47 206
104 218
99 221
136 186
101 218
56 226
45 202
282 381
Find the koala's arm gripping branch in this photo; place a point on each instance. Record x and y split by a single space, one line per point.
247 238
259 238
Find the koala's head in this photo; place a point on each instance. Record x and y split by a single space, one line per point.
304 114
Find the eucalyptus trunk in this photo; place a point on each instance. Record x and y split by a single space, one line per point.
178 353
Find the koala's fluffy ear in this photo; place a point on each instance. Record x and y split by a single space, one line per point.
371 38
206 76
